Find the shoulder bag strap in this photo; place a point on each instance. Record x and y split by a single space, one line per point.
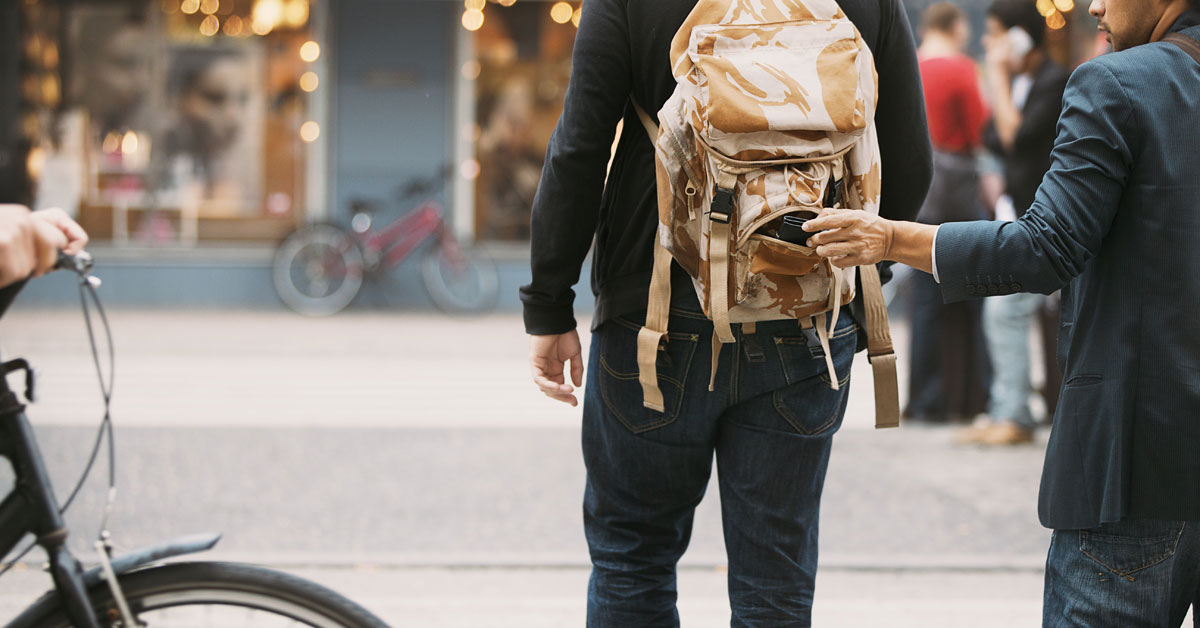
1189 45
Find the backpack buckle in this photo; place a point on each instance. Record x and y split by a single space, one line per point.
722 206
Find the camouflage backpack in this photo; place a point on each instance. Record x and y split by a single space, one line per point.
773 115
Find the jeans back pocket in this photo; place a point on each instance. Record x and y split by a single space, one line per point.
1127 547
620 388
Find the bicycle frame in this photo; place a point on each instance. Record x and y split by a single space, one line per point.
398 240
31 507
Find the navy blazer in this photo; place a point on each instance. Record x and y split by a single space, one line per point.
1116 224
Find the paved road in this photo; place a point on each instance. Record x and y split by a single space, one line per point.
407 459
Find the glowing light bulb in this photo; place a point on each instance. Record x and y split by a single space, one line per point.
310 131
310 51
472 20
561 12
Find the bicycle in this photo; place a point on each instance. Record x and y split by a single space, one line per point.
319 269
135 589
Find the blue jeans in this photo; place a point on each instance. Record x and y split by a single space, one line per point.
769 421
1006 321
1130 574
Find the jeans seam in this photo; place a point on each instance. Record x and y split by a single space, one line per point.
1084 534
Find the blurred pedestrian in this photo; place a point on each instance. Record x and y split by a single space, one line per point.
770 418
1114 224
949 372
1026 88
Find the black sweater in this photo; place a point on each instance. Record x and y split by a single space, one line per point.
622 51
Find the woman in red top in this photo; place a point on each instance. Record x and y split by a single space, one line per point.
950 370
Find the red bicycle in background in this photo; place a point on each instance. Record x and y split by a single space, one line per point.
319 269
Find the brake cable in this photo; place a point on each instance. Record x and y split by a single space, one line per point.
81 265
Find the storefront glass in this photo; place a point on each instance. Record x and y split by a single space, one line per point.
180 121
520 74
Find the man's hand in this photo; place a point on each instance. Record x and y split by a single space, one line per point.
547 357
850 237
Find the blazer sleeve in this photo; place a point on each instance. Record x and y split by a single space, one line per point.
1071 214
567 202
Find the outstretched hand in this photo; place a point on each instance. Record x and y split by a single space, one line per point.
850 237
548 357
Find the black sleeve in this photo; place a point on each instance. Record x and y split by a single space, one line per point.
568 197
1039 117
907 157
991 138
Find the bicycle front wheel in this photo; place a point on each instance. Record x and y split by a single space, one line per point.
318 270
195 595
459 280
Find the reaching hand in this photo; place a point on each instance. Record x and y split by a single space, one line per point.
850 237
548 356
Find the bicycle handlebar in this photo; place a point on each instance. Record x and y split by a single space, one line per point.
80 262
426 185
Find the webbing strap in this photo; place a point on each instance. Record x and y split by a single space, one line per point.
879 350
718 288
718 262
647 121
716 358
835 293
658 305
823 335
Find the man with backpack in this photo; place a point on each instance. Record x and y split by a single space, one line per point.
768 403
1114 224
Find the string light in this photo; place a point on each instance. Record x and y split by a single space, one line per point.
295 13
1056 21
471 70
506 3
472 20
189 7
1066 6
575 16
208 7
210 26
561 12
309 81
310 51
266 15
475 5
310 131
1046 7
233 26
129 143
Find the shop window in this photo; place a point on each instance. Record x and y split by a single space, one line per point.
181 120
521 72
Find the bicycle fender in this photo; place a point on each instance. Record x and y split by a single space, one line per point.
192 544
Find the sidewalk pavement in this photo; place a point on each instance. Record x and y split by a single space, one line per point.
408 460
555 598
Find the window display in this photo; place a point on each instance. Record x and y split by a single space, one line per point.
183 120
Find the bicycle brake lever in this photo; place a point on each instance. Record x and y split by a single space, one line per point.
20 364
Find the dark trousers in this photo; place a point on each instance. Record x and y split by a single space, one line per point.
950 371
769 422
1129 574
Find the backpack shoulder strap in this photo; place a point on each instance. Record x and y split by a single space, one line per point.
647 121
1187 44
